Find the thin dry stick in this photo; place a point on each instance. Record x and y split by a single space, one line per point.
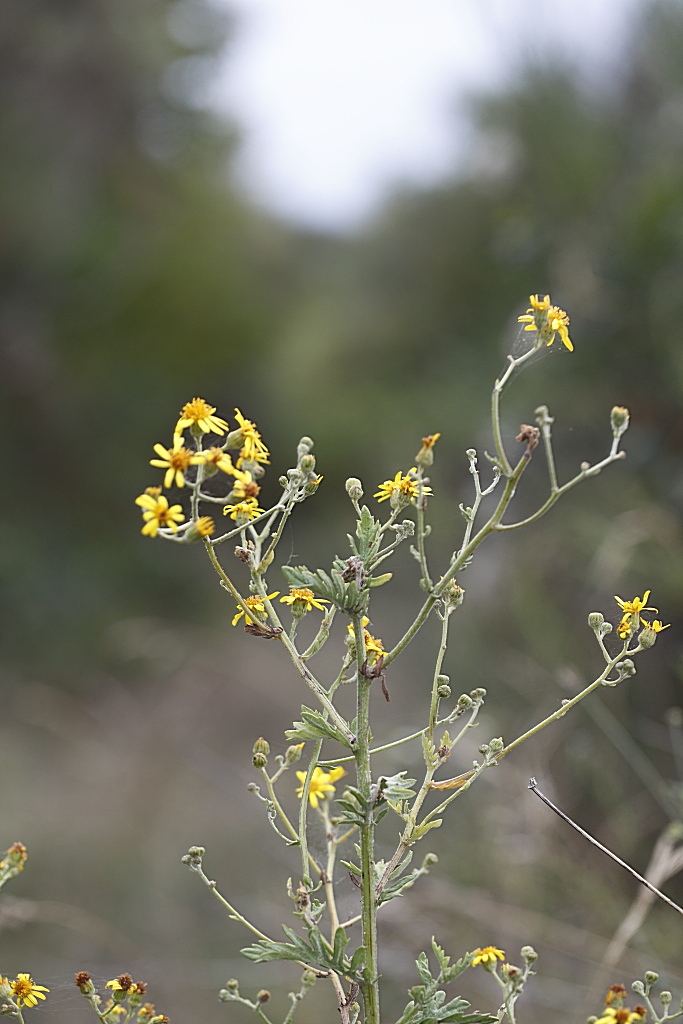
533 787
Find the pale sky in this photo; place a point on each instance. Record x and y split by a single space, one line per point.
338 99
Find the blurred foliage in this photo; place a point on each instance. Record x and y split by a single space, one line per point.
134 277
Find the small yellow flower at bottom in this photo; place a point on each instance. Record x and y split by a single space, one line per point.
487 956
256 604
158 513
322 784
305 598
205 526
26 992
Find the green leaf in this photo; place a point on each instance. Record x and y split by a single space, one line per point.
315 726
341 941
421 830
358 960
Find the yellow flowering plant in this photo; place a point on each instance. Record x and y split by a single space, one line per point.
213 462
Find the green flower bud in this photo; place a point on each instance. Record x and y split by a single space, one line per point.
443 691
307 464
619 418
293 753
595 621
308 979
232 985
639 988
354 488
464 702
263 996
529 954
647 638
304 447
651 977
478 694
665 998
496 745
261 746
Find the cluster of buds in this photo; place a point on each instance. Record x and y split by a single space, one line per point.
12 862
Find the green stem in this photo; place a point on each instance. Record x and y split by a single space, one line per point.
370 985
285 820
434 704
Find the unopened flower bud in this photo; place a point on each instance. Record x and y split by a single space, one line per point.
619 418
478 694
293 753
529 954
263 996
496 745
261 751
665 998
443 691
647 638
307 464
626 668
5 988
354 488
484 749
651 978
464 702
304 446
308 979
425 456
232 985
595 620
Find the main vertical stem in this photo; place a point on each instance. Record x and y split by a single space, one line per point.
369 987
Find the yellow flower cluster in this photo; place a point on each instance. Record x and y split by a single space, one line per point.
631 618
183 456
406 487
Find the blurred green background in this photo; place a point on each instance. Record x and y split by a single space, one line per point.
135 277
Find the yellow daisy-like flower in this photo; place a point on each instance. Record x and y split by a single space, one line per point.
304 596
200 413
547 320
175 461
244 486
631 617
257 606
158 513
622 1015
249 508
253 449
487 956
218 459
405 485
25 991
322 784
656 626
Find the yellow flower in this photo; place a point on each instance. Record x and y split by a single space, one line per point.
305 597
429 441
219 459
175 461
124 983
403 485
255 603
631 616
321 784
200 413
253 449
248 508
26 992
656 626
487 956
547 320
157 514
